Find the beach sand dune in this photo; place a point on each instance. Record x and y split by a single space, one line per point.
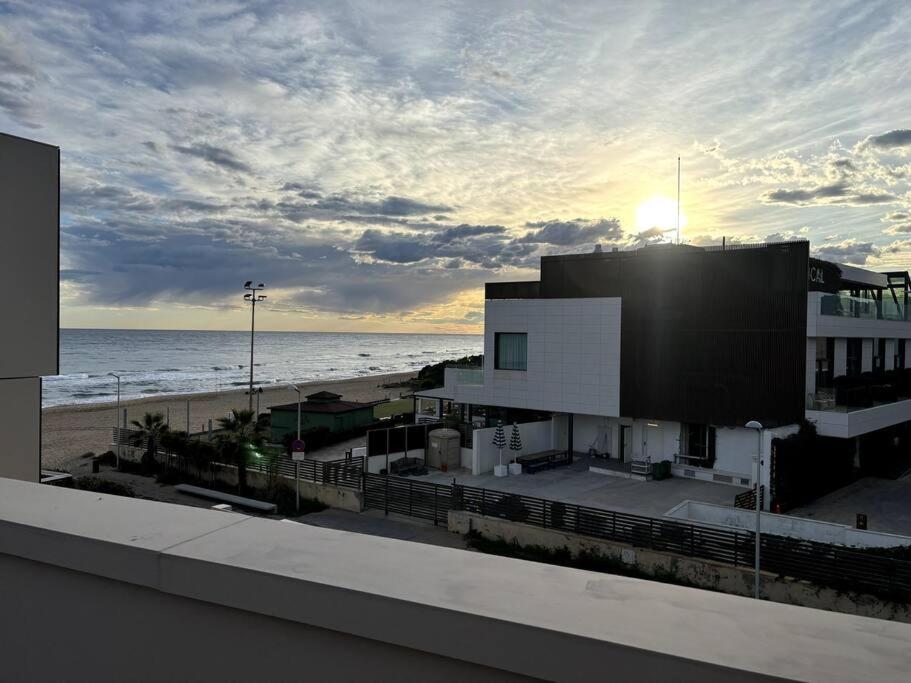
70 431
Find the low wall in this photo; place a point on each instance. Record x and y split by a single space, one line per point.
327 494
688 570
784 525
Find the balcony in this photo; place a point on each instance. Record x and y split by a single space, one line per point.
468 377
843 306
862 404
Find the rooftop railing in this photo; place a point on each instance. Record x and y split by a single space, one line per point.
846 306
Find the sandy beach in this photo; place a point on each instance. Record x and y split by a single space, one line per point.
70 431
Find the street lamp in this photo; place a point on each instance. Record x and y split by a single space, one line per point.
297 486
753 424
252 297
258 391
117 421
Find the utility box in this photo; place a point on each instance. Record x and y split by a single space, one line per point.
443 449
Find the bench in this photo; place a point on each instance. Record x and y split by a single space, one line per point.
239 501
544 460
408 465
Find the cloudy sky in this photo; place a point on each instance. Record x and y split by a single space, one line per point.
375 163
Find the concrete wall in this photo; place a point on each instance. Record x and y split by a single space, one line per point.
20 428
573 356
140 589
735 448
29 219
784 525
107 630
29 261
695 572
536 437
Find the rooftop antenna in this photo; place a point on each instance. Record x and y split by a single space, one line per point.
678 200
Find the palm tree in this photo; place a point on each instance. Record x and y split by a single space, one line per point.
150 430
241 434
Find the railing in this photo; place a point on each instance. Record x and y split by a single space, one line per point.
747 499
826 564
468 376
345 472
408 497
845 306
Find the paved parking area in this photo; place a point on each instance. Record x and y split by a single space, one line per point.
886 502
575 484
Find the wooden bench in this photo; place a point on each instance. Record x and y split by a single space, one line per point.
239 501
544 460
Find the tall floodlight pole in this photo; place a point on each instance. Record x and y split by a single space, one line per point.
119 436
297 486
753 424
678 200
252 296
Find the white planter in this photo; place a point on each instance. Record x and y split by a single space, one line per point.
515 468
500 470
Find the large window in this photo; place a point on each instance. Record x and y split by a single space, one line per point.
511 351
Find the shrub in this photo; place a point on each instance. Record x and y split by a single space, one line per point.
99 485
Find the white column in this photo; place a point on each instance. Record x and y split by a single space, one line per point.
841 357
866 364
889 363
907 343
810 386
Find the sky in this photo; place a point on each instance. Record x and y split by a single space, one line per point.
375 163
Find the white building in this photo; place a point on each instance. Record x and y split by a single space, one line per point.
665 353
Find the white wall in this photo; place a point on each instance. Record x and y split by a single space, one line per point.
573 356
866 355
734 450
845 425
841 357
20 428
785 525
29 219
810 381
29 196
536 437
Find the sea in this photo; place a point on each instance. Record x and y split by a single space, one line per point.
162 362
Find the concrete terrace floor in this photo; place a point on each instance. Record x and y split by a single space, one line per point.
886 502
575 484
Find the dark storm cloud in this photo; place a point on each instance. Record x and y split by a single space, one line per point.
487 246
848 251
218 156
835 193
573 232
890 140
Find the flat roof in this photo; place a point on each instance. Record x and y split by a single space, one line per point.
439 392
455 603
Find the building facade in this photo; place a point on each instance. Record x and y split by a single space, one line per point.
29 261
666 352
321 410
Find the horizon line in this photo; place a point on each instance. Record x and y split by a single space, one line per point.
162 329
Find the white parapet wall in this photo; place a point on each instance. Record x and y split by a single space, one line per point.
784 525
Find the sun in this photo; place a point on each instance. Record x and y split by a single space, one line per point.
658 212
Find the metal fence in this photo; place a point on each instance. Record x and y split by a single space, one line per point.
345 472
408 497
822 563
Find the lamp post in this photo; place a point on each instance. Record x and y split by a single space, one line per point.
258 391
297 486
252 297
117 459
753 424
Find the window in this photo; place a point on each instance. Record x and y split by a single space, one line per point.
899 353
511 351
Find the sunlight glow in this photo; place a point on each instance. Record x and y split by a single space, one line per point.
658 212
